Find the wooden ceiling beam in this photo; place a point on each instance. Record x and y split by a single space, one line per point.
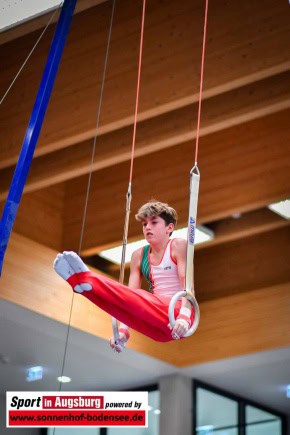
245 264
235 57
229 109
243 168
40 216
243 225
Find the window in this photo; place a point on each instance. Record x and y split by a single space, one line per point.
217 412
259 422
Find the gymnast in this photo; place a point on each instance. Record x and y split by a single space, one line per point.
162 262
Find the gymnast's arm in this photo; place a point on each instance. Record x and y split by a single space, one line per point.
135 275
134 283
135 271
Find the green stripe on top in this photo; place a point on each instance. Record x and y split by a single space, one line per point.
145 266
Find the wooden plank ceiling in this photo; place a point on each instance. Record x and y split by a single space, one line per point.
244 144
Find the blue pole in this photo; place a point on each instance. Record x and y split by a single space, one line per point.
34 126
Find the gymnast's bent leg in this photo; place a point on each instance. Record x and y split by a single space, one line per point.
139 309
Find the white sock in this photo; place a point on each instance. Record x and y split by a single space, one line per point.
77 264
63 269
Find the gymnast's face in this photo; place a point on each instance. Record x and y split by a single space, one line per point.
155 229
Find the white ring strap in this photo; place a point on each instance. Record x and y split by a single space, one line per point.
194 188
189 278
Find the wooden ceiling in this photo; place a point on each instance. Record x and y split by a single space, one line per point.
244 144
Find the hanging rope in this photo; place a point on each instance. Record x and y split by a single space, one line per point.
128 195
193 200
201 81
138 89
126 225
90 173
29 55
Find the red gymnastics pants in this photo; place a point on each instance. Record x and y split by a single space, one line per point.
138 309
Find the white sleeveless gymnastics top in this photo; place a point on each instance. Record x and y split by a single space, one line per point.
162 278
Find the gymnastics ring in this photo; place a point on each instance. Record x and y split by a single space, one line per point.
191 298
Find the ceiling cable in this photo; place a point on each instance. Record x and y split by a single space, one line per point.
30 54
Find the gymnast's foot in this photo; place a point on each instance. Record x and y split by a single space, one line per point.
68 264
75 262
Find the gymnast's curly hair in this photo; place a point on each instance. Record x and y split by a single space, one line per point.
155 208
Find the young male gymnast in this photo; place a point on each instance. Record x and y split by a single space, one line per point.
162 262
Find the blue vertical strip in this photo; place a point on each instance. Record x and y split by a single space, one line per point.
34 126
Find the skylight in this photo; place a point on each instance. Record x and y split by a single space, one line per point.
282 208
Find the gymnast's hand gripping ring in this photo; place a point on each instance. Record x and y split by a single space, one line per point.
191 298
